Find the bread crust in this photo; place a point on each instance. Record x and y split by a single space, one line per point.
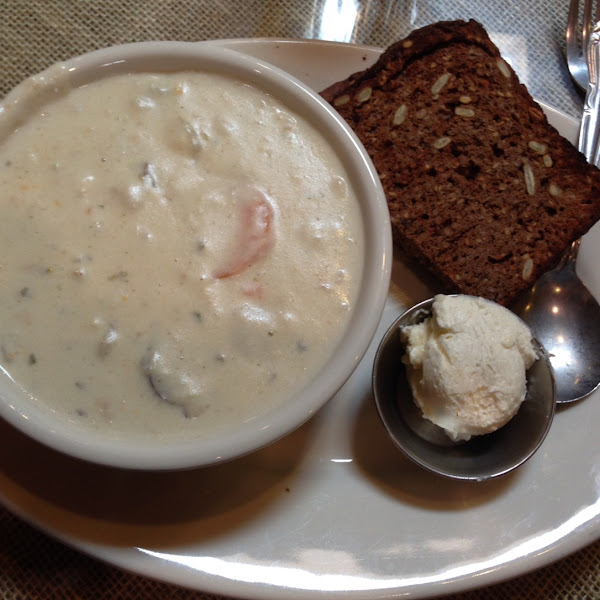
482 190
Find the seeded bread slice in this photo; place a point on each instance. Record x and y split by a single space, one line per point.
482 191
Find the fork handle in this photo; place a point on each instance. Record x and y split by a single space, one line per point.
589 134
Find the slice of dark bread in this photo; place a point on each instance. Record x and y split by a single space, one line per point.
482 191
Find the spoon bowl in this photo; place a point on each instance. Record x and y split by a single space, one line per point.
482 457
565 318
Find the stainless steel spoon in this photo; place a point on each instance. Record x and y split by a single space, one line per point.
561 311
565 318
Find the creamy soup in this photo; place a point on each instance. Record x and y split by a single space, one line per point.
177 252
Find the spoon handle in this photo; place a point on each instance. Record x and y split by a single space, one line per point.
589 133
569 257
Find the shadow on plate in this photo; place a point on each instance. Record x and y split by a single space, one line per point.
390 470
123 507
410 282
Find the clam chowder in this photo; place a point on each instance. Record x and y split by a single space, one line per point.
178 252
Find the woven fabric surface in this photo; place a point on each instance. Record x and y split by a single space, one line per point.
34 34
37 33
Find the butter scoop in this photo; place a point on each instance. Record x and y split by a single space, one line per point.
466 364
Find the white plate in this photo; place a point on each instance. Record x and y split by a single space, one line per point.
333 508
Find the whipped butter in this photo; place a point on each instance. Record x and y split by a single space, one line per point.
178 252
467 363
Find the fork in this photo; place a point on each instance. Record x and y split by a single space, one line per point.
583 60
577 41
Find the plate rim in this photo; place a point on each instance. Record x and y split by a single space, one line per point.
130 559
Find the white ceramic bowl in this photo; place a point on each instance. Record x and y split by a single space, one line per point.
55 431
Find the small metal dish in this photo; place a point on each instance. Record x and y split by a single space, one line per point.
482 457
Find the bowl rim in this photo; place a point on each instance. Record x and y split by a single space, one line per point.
53 430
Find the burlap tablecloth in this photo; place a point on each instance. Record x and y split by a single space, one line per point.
36 33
